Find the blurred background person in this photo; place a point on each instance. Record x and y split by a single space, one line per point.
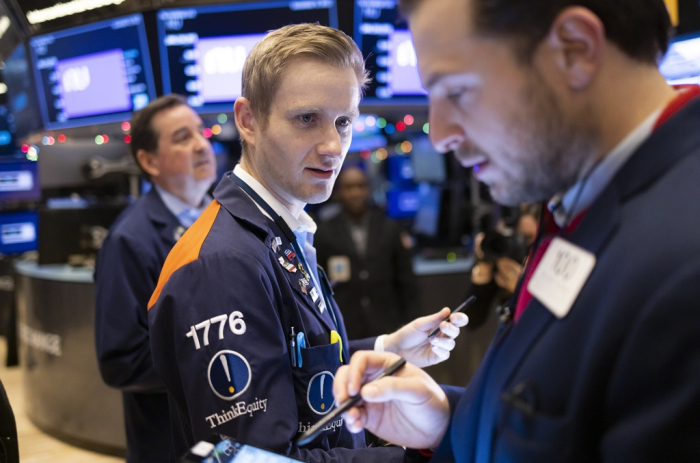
368 258
168 145
500 254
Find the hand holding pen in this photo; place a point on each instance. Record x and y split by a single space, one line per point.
315 430
463 306
407 408
375 375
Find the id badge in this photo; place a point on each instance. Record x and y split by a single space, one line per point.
560 276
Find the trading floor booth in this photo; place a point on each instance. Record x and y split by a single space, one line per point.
64 393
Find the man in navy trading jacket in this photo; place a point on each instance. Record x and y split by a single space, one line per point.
597 358
244 328
168 144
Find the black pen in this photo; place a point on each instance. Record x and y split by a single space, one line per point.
311 434
470 300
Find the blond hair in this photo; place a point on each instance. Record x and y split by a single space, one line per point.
268 59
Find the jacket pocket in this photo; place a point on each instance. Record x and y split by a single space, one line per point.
525 434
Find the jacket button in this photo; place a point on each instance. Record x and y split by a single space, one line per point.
364 274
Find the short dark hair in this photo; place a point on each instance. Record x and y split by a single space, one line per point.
640 28
143 135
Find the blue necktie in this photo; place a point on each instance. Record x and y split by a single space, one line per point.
189 216
305 240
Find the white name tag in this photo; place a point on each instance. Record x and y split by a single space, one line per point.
314 294
560 275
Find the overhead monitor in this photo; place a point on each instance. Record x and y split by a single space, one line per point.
203 48
21 94
681 65
387 46
93 74
18 232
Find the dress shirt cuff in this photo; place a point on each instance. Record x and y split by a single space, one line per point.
379 343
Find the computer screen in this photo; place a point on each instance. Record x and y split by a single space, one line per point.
18 232
399 171
387 46
428 164
203 49
402 202
427 219
681 65
8 147
22 101
93 74
19 182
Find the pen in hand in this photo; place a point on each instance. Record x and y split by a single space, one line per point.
464 305
311 434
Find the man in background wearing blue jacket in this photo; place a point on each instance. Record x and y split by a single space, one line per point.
168 145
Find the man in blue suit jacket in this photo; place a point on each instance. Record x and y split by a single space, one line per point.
168 144
597 358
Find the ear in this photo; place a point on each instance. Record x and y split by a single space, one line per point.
149 162
246 122
577 37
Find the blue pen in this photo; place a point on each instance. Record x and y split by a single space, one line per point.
301 343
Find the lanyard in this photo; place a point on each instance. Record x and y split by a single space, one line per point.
292 239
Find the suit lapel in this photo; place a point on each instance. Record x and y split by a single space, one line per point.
595 229
342 231
164 220
295 278
242 207
374 232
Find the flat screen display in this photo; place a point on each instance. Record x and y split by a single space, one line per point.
387 46
681 65
93 74
8 148
427 218
19 181
18 232
22 102
402 203
203 49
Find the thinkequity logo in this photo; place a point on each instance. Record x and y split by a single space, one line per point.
237 409
320 393
229 374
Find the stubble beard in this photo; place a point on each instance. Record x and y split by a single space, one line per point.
556 148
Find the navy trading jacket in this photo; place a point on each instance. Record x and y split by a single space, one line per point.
230 296
126 274
618 378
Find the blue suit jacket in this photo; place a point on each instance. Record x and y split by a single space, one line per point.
617 379
220 322
126 274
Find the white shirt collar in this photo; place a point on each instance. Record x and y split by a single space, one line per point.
302 224
593 184
178 206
